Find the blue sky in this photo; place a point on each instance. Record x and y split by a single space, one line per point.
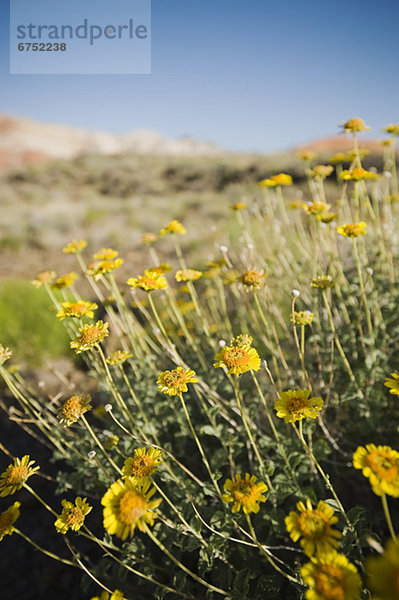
247 75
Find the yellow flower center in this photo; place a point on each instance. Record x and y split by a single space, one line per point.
132 506
242 491
312 524
330 582
142 466
236 357
174 378
252 278
75 515
297 404
383 465
5 521
90 336
79 308
73 408
17 474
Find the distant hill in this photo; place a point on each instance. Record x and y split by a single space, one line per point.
25 141
340 143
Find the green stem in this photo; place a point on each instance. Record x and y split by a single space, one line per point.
337 342
200 448
388 517
263 551
275 433
250 436
43 551
327 482
99 444
31 491
362 289
181 566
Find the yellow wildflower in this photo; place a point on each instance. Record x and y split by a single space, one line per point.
128 505
74 247
64 281
302 317
238 206
358 174
331 577
142 465
5 354
74 408
187 275
244 493
73 515
306 155
8 518
276 180
241 340
148 282
295 405
383 573
238 359
44 278
253 279
16 474
117 595
111 440
173 227
77 309
161 269
90 335
380 464
118 357
326 217
313 525
323 282
106 254
355 125
352 230
102 267
393 384
174 383
393 129
295 205
148 238
321 171
315 208
339 157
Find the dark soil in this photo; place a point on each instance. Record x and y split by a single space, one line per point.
26 573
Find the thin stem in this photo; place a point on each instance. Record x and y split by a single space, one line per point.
200 448
99 444
43 551
250 436
266 554
362 289
388 517
337 342
327 483
31 491
181 566
275 433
